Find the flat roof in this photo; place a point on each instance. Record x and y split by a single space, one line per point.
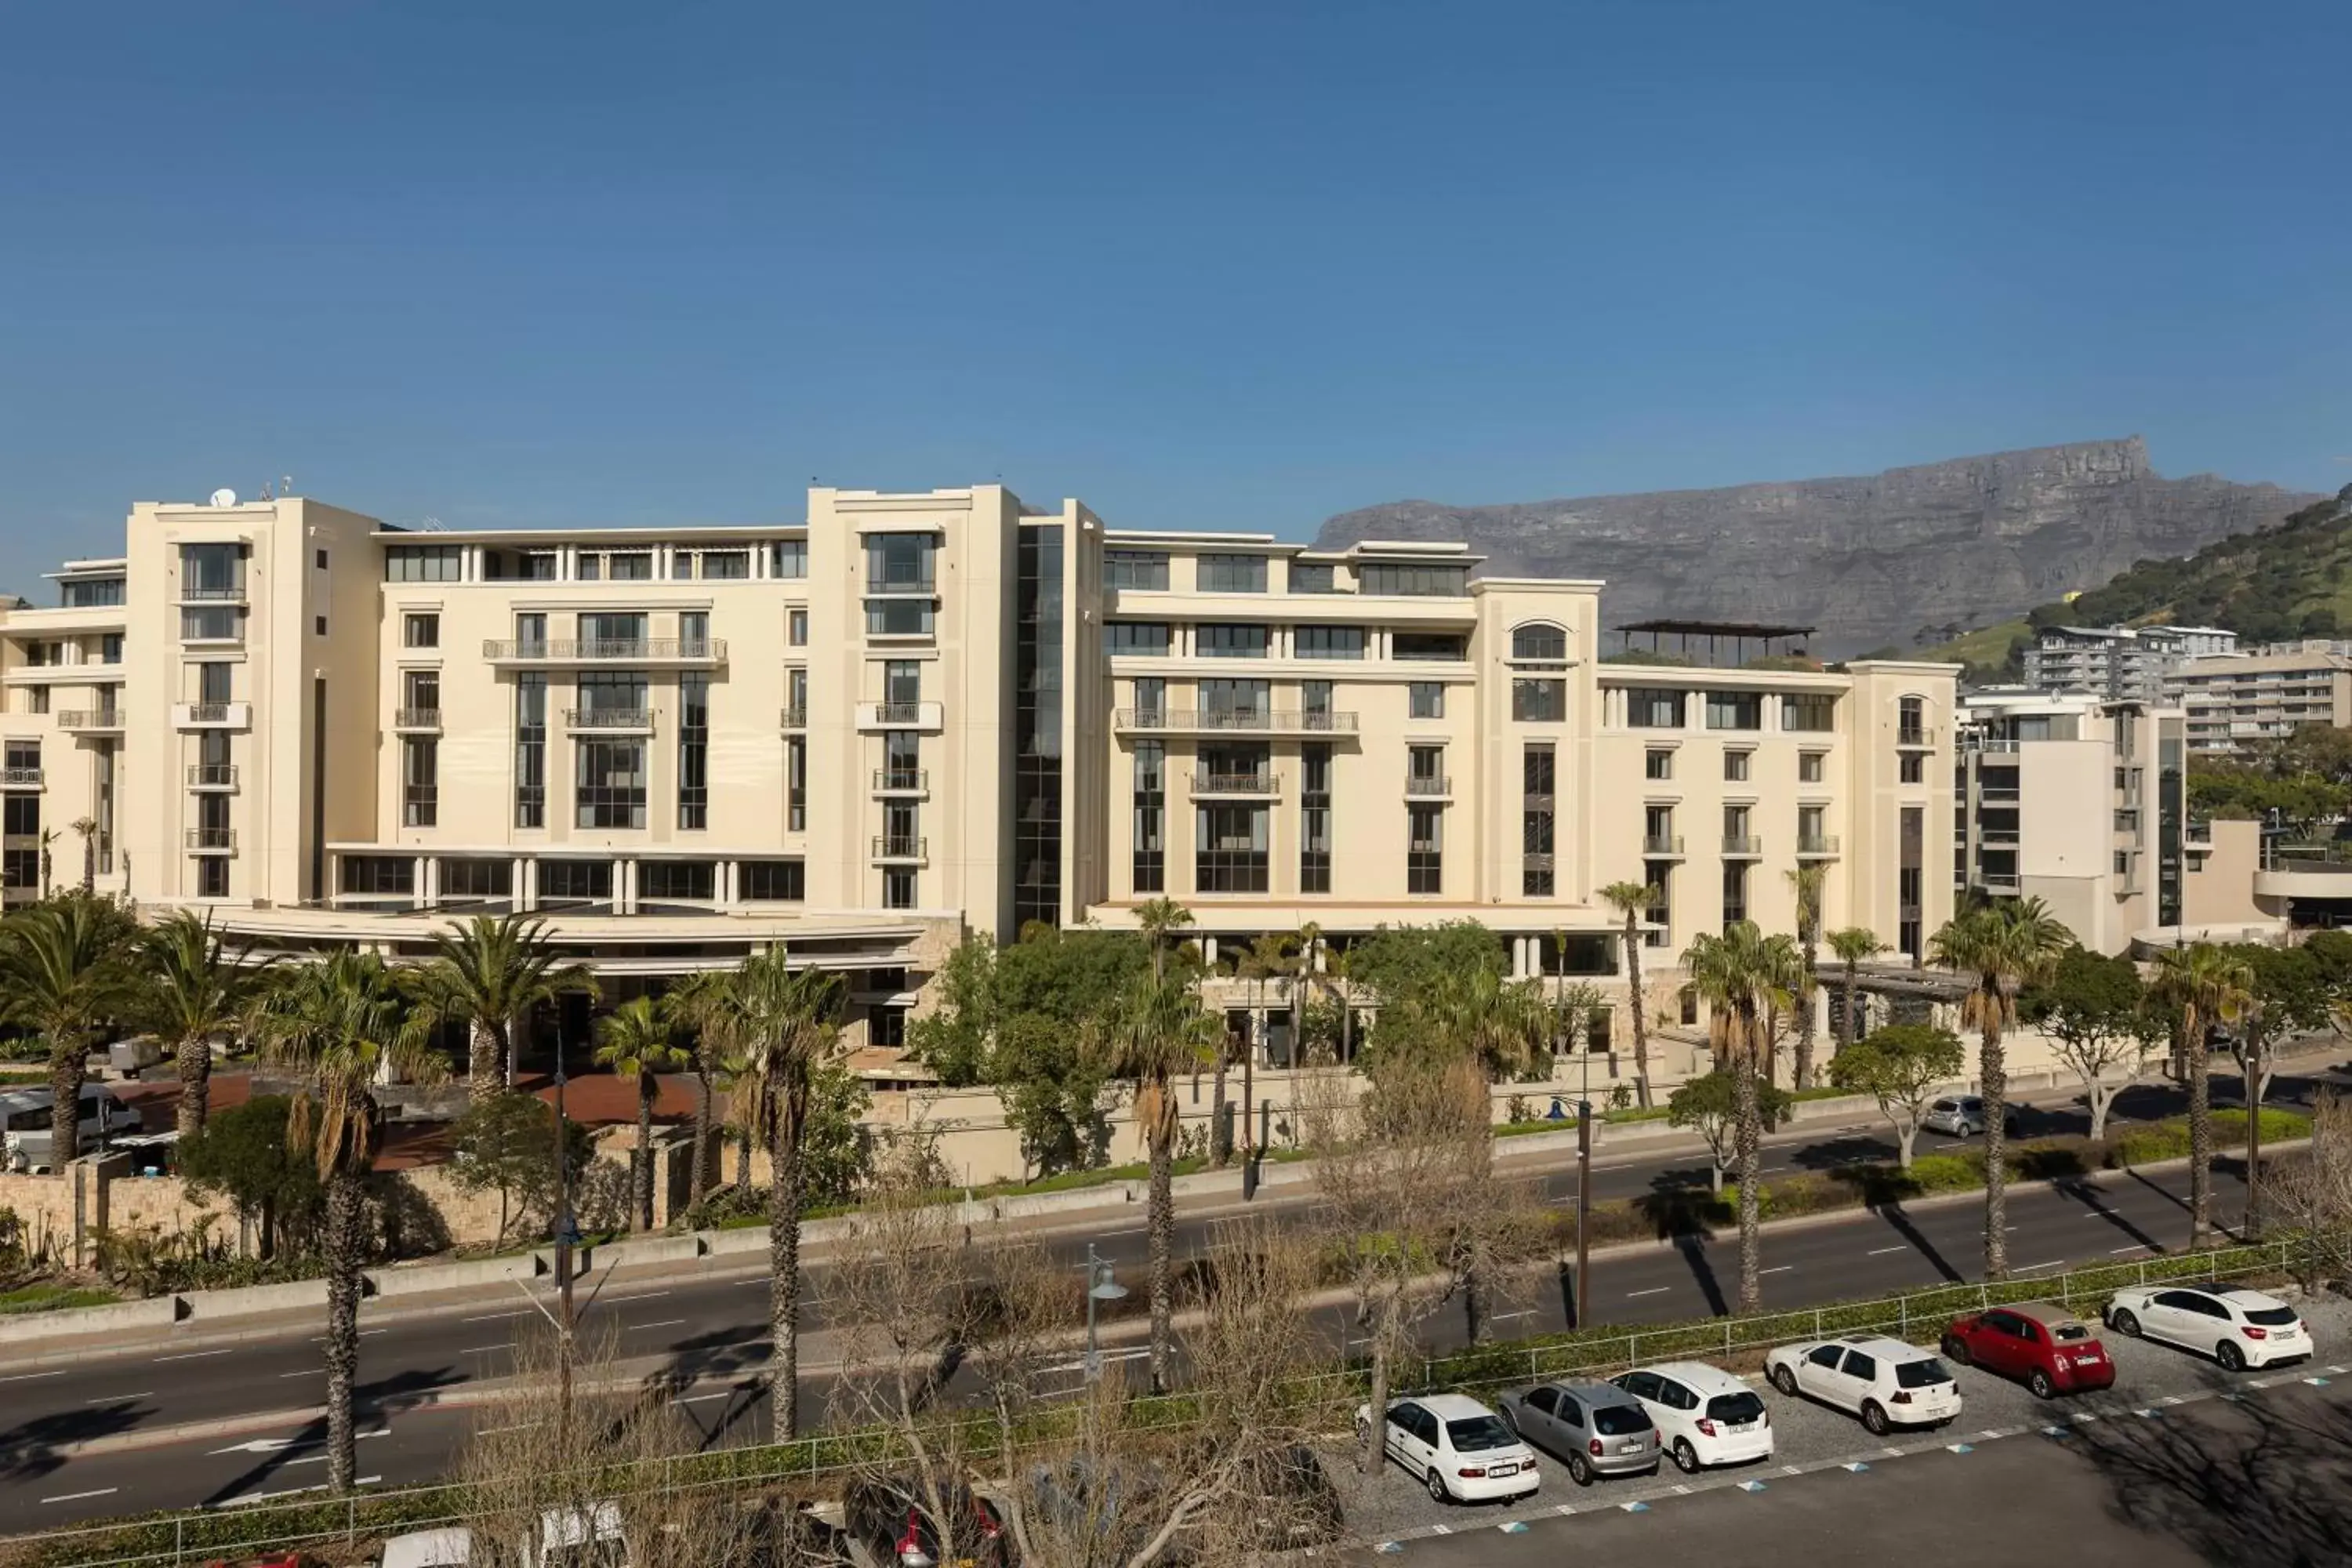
1713 628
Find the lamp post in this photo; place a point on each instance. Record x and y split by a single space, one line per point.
567 1234
1100 1286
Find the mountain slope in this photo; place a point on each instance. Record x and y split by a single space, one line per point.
1907 555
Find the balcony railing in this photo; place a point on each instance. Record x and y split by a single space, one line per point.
1234 783
1915 735
888 848
417 719
898 712
608 718
233 715
598 650
91 718
1662 844
211 837
1742 844
21 778
1248 719
902 781
211 593
904 585
1429 784
794 717
1817 845
211 776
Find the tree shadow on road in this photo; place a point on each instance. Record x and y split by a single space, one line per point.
2264 1482
373 1406
1683 1215
1900 1222
36 1447
2095 1201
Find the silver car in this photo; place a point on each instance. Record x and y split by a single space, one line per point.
1963 1116
1596 1428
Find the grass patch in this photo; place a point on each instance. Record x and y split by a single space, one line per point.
53 1299
2168 1139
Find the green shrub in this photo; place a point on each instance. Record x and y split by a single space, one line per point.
2168 1139
53 1299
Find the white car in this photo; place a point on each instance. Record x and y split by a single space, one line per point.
1459 1448
1886 1382
25 1124
1704 1415
2237 1327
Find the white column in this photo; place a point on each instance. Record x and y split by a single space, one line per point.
523 899
420 879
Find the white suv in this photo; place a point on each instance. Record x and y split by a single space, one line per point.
1704 1415
1460 1449
1885 1381
2236 1327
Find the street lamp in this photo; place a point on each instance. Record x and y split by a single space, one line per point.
567 1231
1100 1286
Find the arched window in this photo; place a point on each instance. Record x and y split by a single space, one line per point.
1539 640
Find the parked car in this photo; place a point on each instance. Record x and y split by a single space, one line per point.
1458 1447
1702 1413
2047 1347
1597 1427
890 1521
2237 1327
1963 1116
568 1538
25 1123
1886 1382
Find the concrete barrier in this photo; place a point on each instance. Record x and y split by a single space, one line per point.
432 1276
754 1237
297 1295
646 1251
157 1312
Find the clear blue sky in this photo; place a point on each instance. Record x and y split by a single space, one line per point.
1201 265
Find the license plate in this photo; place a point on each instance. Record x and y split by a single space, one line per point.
1635 1446
1740 1426
1498 1472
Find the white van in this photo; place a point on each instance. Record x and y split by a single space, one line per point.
24 1140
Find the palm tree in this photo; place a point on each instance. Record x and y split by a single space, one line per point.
340 1025
1306 943
2204 985
1152 1034
1495 1026
785 1022
1161 919
87 827
1853 946
694 1004
50 836
2004 945
1633 900
638 1039
200 991
1272 957
488 973
1805 881
1746 977
65 975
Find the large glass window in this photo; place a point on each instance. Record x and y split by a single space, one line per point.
788 558
614 698
693 752
1329 642
898 618
1735 892
1314 577
1217 641
900 562
1809 712
1147 640
611 783
796 785
1315 817
1654 708
420 630
93 592
1735 710
378 876
772 881
1144 569
422 562
531 751
1425 699
475 881
678 881
420 781
1424 849
574 881
1540 642
1151 817
1232 574
1539 699
1412 579
212 623
1429 646
1236 702
1231 855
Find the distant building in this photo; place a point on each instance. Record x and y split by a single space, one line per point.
2234 701
2123 663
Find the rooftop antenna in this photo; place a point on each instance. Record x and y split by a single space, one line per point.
431 525
265 491
285 484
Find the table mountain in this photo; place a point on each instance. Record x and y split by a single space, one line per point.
1905 558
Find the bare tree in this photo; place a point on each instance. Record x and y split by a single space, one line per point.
2313 1195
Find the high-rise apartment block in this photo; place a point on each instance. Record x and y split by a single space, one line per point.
2240 700
2124 664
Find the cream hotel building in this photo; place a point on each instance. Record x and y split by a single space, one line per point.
918 715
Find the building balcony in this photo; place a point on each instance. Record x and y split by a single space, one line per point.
212 840
219 594
610 720
1742 847
91 721
212 715
211 776
794 718
418 719
2008 794
1817 847
1663 846
1430 786
20 778
1264 786
902 781
673 651
903 588
901 851
928 717
2197 838
2004 882
1997 835
1222 722
1915 735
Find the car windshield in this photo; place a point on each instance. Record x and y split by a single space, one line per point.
1740 1406
1920 1374
2069 1333
1620 1420
2269 1317
1478 1434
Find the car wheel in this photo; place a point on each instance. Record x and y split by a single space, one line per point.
1874 1419
1685 1457
1956 1350
1785 1380
2231 1358
1579 1470
1437 1492
2040 1385
2124 1323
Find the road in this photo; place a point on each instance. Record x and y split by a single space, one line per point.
712 1329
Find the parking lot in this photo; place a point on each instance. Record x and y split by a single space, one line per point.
1809 1436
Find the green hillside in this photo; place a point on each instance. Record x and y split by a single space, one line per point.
2292 580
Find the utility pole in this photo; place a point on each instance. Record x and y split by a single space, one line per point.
567 1235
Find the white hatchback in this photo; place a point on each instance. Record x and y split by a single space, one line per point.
1886 1382
2237 1327
1460 1449
1704 1415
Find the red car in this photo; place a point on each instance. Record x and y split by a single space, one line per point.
2048 1347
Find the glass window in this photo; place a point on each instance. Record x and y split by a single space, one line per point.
693 752
1151 695
1735 710
1144 569
1315 817
380 874
475 879
1424 846
898 617
694 881
1540 770
613 634
1539 700
420 777
1810 713
900 562
1232 574
1150 867
1914 767
1429 646
1329 642
1809 767
796 784
630 566
772 881
213 682
531 751
796 627
1735 766
1236 700
574 881
110 647
789 558
1658 764
612 782
1425 699
423 563
1136 639
1231 855
93 592
1314 577
1412 579
420 631
1231 641
212 623
1548 643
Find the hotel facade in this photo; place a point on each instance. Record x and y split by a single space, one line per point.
913 716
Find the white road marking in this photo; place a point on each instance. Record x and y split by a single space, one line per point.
2135 1247
294 1491
307 1372
704 1398
192 1356
29 1376
519 1313
1506 1317
1131 1230
1653 1290
119 1398
665 1323
1883 1251
77 1497
639 1296
486 1350
2053 1263
365 1333
1782 1269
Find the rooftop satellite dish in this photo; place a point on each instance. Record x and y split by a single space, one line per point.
224 496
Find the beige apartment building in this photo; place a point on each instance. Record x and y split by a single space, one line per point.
903 717
2238 700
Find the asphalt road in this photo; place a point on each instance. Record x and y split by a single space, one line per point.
712 1329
